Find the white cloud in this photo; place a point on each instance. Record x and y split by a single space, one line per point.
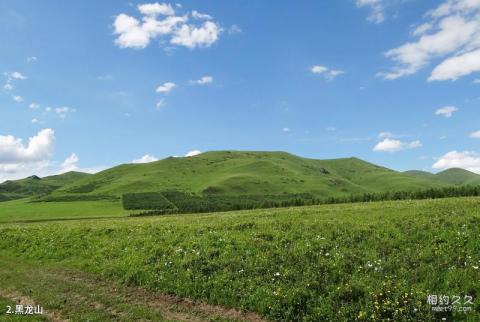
131 34
234 29
383 135
161 104
468 160
11 77
39 148
17 98
422 29
198 15
166 87
286 129
377 10
455 67
31 59
326 72
70 164
62 111
391 145
145 159
155 9
192 37
20 160
34 106
331 129
192 153
134 33
475 135
318 69
34 121
476 81
16 75
203 81
446 111
452 33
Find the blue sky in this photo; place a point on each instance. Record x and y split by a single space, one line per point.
93 84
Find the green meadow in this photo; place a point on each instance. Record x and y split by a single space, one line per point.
348 262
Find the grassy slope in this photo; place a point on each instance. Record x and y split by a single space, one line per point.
452 176
34 185
354 262
23 210
248 173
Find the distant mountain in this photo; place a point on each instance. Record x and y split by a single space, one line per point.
454 176
36 186
236 173
243 172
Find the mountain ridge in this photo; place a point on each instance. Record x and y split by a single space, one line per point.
233 172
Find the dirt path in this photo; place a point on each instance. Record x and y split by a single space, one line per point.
71 295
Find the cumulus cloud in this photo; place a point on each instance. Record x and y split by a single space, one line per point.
328 73
145 159
452 33
20 160
446 111
192 153
31 59
155 9
202 81
286 129
175 29
191 36
392 145
8 86
39 148
468 160
377 10
166 87
70 164
33 106
475 135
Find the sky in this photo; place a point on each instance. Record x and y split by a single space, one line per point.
87 85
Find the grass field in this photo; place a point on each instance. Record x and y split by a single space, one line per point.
352 262
24 210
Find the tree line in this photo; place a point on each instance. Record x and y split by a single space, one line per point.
170 202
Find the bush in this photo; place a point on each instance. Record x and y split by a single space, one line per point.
146 201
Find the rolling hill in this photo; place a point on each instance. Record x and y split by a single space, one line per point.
35 186
240 173
454 176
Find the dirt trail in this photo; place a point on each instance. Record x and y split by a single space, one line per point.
18 298
69 288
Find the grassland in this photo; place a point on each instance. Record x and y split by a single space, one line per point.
25 210
352 262
241 172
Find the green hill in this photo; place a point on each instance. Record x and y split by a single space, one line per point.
36 186
239 173
454 176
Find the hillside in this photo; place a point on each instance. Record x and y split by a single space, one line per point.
35 186
454 176
238 172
